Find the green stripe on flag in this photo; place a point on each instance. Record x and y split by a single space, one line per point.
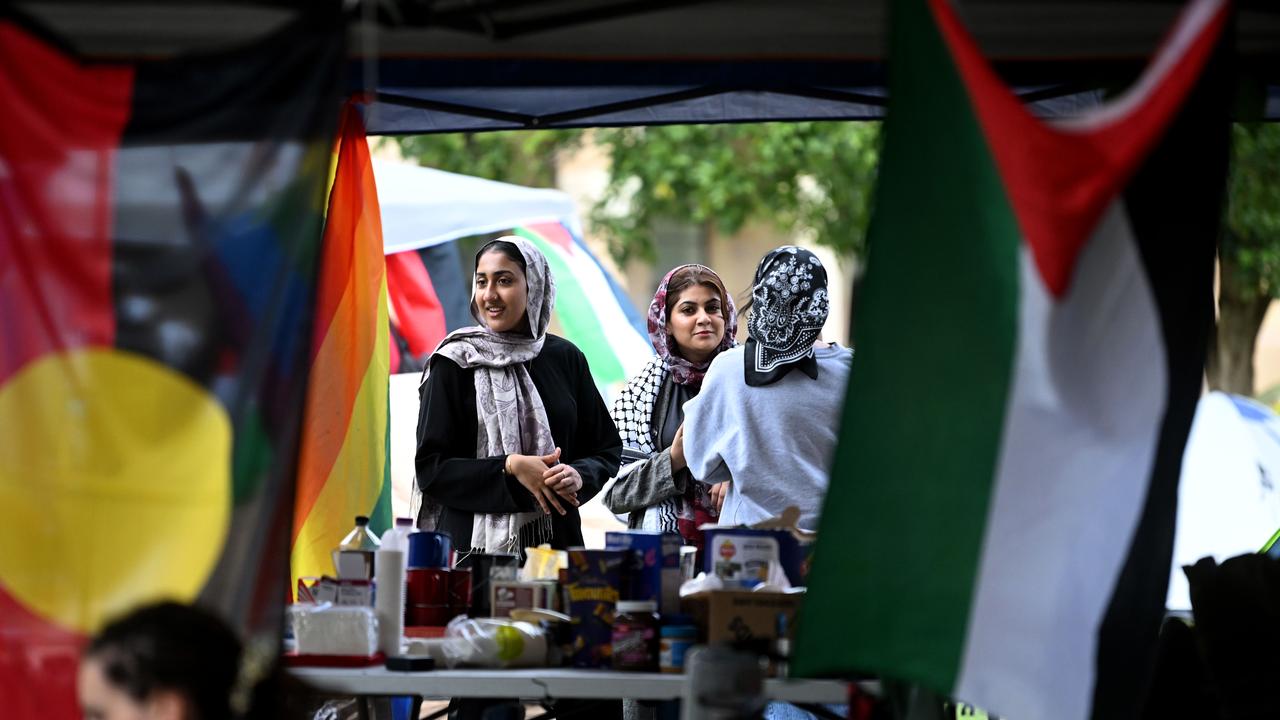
252 456
902 526
573 310
1270 543
380 518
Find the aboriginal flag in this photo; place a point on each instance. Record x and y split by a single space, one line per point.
159 229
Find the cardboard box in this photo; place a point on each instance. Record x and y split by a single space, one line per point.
355 592
507 595
658 576
307 589
594 577
354 564
741 615
741 556
339 592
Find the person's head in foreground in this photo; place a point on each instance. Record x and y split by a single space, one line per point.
166 661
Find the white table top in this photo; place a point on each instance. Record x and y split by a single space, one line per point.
542 683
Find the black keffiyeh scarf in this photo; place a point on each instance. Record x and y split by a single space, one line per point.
633 411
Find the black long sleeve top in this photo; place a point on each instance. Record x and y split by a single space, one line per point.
449 472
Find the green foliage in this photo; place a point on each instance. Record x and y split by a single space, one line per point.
517 156
802 177
1252 240
807 176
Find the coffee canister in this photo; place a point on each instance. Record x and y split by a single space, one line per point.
484 568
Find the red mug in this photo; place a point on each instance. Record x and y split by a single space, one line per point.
427 586
435 615
460 591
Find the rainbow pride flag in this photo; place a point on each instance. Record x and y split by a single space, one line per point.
343 469
592 311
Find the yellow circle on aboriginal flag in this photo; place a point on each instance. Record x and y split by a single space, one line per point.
115 485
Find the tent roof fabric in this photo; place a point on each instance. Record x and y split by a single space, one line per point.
476 65
595 30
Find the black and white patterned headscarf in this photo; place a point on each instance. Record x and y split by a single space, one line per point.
789 306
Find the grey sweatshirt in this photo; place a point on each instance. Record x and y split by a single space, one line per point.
776 440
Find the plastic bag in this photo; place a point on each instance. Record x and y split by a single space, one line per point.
543 563
703 582
494 643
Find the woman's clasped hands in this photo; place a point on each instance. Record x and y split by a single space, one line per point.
547 479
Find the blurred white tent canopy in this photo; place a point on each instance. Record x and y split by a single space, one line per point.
422 206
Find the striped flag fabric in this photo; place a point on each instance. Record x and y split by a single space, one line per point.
343 468
592 311
430 297
159 224
1031 340
418 321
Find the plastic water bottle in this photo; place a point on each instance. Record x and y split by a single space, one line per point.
398 534
389 574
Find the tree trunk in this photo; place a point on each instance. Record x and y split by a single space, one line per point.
1240 314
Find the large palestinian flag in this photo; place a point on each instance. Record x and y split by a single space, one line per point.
159 225
1031 338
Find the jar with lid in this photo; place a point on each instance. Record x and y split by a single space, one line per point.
559 642
635 636
677 636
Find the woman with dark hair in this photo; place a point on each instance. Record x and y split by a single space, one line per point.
167 661
512 434
769 411
691 321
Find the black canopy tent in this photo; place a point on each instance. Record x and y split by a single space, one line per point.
473 65
477 65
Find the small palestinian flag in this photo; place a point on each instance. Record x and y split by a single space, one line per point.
431 296
592 311
159 226
1031 340
418 318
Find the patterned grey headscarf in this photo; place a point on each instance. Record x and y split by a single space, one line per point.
510 414
789 306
